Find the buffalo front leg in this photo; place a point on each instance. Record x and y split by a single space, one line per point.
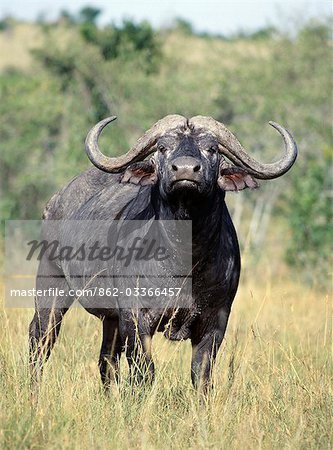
110 352
205 347
137 337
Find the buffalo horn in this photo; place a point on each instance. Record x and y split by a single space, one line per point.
231 147
143 147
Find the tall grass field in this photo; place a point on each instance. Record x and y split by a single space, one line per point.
272 383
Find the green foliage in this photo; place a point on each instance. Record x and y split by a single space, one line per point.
310 216
89 14
86 15
112 41
261 34
66 17
129 38
288 84
5 24
183 26
29 132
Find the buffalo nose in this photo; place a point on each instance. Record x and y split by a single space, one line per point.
186 164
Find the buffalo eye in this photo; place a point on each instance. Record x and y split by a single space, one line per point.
213 149
161 148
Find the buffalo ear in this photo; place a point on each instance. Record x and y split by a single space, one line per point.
236 179
142 173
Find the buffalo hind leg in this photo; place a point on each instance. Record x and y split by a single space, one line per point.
43 332
49 312
110 352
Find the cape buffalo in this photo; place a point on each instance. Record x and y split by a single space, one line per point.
194 162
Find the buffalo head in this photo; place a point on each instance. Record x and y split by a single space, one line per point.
189 155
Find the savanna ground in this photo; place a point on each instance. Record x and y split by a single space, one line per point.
273 382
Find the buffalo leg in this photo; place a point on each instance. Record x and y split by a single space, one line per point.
110 352
204 351
137 336
43 332
49 312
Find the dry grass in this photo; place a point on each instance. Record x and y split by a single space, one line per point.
15 46
273 383
17 42
195 51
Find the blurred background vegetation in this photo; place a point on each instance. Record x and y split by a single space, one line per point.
58 79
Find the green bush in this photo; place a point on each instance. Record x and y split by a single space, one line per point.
127 39
310 215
